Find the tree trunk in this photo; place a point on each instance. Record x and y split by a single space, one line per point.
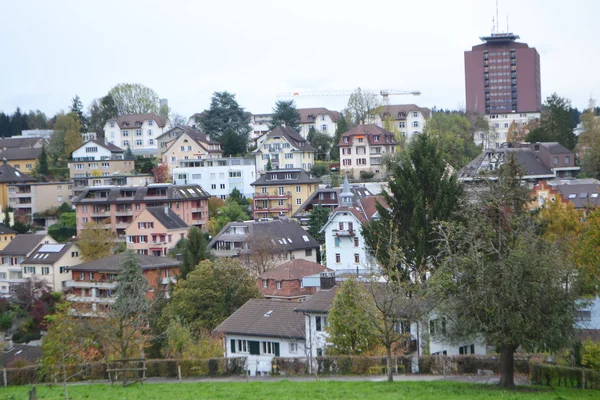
507 367
64 373
390 374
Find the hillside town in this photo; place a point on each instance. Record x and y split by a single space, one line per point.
291 238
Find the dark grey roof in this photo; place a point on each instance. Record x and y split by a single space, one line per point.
130 121
109 146
555 147
20 141
10 174
581 195
294 138
47 254
20 353
22 245
284 234
358 193
271 318
318 302
168 219
174 192
21 153
113 263
299 176
4 230
487 163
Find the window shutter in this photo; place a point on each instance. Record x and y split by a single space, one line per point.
254 347
276 349
232 345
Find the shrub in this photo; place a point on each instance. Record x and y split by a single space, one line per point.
590 354
366 175
319 170
6 321
554 375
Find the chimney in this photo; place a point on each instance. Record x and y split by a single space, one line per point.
327 280
166 209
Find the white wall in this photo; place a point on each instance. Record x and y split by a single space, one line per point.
149 132
499 125
99 154
314 339
346 248
322 121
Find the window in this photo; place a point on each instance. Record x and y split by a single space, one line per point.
416 114
270 348
346 139
151 141
583 315
355 241
308 252
138 132
29 270
222 186
298 202
376 138
149 132
213 186
139 142
125 133
45 270
298 189
242 346
361 161
415 124
356 258
361 140
84 219
567 159
280 203
235 174
555 160
289 156
338 258
263 190
150 122
337 242
126 143
265 283
319 352
346 162
280 190
278 284
468 349
59 199
293 347
320 323
189 148
324 127
402 124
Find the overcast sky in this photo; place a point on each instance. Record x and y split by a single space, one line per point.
185 50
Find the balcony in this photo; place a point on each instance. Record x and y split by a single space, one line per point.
344 233
103 213
124 213
166 281
101 300
267 196
91 284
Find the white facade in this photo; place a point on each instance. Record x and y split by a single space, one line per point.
316 325
412 123
322 123
218 176
344 244
43 133
260 124
261 364
499 124
140 138
92 151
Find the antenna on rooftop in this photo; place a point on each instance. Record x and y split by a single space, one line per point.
497 20
507 28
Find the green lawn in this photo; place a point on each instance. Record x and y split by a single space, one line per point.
297 390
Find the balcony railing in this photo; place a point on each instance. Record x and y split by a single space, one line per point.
91 284
344 233
272 196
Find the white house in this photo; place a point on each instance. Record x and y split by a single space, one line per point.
320 118
260 124
95 150
284 148
408 119
344 243
218 176
499 125
363 148
136 131
263 329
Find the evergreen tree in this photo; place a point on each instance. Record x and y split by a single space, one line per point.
318 219
556 123
77 109
129 154
130 292
194 252
5 128
18 123
238 197
285 114
342 127
42 164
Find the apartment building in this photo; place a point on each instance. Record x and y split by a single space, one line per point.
155 231
10 176
116 207
283 148
92 284
362 149
12 255
97 161
28 199
218 176
280 193
137 132
261 124
190 145
320 119
500 125
407 119
49 262
134 179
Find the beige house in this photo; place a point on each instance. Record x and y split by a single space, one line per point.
190 145
283 148
27 199
363 148
155 231
49 262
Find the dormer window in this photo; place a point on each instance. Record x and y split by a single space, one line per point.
112 124
311 118
346 139
376 138
401 115
138 123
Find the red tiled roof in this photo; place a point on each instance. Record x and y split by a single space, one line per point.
369 205
370 130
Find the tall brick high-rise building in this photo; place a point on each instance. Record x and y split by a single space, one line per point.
502 76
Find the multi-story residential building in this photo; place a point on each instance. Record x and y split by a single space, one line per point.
261 124
280 193
21 158
320 119
49 262
539 161
155 231
406 119
277 240
363 147
10 176
262 329
134 179
116 207
6 236
38 133
17 250
583 194
283 148
329 198
503 76
286 281
137 132
99 161
93 283
190 145
218 176
171 135
501 124
21 142
345 245
29 199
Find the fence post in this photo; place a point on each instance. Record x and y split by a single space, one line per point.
179 372
5 376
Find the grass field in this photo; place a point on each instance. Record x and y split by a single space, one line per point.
297 390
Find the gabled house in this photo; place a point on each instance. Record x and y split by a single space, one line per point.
583 194
93 283
6 236
320 119
137 132
155 231
10 176
262 329
408 119
286 281
283 148
328 197
49 262
362 149
12 256
190 144
280 240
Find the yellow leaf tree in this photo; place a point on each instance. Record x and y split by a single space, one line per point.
95 241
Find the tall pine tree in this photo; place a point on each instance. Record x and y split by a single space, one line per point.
77 108
194 252
42 164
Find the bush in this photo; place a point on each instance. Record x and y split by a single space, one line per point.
366 175
319 170
554 375
590 354
6 319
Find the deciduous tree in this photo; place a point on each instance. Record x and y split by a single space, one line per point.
95 242
452 135
362 106
65 139
161 173
134 98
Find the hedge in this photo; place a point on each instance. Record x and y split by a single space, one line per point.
556 375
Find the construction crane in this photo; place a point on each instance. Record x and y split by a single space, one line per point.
385 93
